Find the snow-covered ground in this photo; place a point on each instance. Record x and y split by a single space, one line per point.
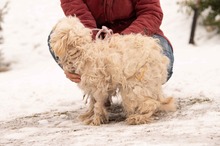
39 106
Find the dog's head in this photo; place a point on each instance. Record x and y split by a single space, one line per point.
69 34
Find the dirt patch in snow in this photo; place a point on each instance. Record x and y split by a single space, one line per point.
196 122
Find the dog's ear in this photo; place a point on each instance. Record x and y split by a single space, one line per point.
59 42
69 32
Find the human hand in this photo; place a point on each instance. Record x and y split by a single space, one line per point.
73 77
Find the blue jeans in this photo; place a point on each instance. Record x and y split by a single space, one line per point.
167 50
56 58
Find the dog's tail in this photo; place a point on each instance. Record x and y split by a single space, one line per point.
167 104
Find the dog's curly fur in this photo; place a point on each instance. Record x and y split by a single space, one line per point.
133 64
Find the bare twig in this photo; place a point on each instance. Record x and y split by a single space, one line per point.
3 66
3 11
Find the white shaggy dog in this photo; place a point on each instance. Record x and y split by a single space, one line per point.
133 64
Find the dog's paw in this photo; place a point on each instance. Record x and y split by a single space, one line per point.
86 115
96 121
138 119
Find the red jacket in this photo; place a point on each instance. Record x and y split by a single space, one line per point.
122 16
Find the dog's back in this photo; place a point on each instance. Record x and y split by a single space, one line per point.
125 55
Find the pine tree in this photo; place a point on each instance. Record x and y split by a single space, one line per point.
212 18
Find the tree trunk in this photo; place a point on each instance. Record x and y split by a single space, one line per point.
195 17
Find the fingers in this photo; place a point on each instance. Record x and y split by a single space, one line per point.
73 77
75 80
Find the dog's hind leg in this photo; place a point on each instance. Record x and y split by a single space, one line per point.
139 109
143 112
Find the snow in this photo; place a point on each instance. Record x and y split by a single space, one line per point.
39 106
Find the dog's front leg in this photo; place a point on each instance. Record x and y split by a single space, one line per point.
90 112
100 113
